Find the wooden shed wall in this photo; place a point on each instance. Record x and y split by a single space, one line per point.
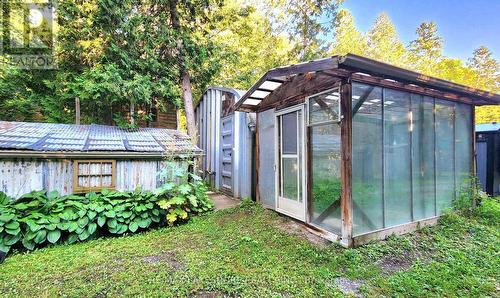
20 176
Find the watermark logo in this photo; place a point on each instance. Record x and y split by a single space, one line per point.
28 33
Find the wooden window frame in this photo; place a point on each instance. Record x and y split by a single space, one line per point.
76 175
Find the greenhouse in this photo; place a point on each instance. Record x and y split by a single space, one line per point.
358 149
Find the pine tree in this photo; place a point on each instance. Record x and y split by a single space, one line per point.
308 21
383 42
487 71
347 38
487 68
426 51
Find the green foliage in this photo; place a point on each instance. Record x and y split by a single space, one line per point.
306 23
245 35
248 251
384 43
118 58
123 58
325 191
348 39
41 218
181 199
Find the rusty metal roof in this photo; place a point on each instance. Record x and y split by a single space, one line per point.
50 137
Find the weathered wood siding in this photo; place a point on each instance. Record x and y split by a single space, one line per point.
132 173
20 176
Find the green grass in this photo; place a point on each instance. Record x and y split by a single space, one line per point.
244 252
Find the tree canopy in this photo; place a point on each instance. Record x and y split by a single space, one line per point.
122 58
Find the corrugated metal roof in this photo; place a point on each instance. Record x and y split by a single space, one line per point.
488 127
84 138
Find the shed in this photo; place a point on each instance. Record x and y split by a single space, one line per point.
81 158
488 157
358 149
226 136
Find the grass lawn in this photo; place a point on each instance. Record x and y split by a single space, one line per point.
246 251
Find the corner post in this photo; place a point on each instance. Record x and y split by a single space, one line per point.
346 165
257 158
473 155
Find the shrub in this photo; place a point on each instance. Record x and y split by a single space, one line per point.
41 217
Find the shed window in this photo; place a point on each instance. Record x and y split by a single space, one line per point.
94 175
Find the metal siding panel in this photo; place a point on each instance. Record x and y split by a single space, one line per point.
207 130
217 151
205 125
237 155
245 157
267 158
213 130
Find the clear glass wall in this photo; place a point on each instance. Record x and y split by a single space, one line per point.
325 157
463 146
422 131
397 157
409 155
367 167
445 163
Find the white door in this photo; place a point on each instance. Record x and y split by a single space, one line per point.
290 164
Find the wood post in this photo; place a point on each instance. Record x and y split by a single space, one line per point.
346 165
257 158
473 155
77 110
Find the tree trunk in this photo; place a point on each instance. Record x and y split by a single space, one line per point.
187 94
132 112
188 104
77 110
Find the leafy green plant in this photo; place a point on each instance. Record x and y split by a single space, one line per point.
469 195
40 218
179 200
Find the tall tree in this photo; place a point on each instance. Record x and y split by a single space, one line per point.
487 71
487 68
383 42
347 39
249 44
427 49
308 22
188 19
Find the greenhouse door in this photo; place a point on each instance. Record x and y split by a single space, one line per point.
290 163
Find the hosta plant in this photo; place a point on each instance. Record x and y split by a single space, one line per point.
40 218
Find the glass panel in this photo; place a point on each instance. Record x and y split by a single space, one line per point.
324 107
290 172
325 177
367 158
445 178
463 150
289 130
423 157
300 134
397 158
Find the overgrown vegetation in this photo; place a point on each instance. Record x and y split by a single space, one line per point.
40 218
252 252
